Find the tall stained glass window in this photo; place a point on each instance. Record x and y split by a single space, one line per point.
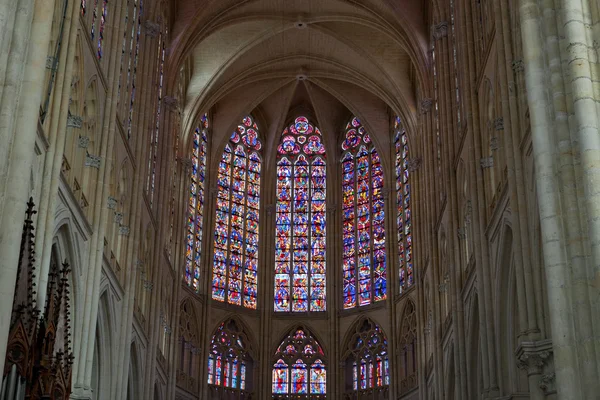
196 206
364 264
155 136
235 264
367 358
136 27
103 17
404 220
300 232
229 361
299 370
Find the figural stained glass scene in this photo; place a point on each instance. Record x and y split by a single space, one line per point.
300 236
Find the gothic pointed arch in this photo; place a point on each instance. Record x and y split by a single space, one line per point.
300 269
230 361
366 361
189 347
364 253
235 262
299 367
407 348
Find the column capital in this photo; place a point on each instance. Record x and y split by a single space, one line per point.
152 28
440 30
534 356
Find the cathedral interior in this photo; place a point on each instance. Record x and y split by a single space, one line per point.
299 199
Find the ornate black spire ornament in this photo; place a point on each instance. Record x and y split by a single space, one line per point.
39 358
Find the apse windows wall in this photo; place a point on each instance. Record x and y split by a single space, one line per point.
300 222
299 370
195 222
367 360
403 203
364 263
229 360
235 263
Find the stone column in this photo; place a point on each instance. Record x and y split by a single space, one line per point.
548 190
16 185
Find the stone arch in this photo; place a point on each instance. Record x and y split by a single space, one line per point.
135 373
101 380
230 346
449 374
407 348
188 354
366 354
511 379
474 360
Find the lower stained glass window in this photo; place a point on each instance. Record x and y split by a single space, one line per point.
229 360
299 371
367 357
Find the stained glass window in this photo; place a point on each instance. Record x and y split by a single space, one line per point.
229 360
196 207
94 17
103 17
300 233
403 194
82 7
235 264
299 368
133 60
364 263
367 357
154 139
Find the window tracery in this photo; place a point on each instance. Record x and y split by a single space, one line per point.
300 267
403 204
195 222
408 348
235 264
364 264
368 360
188 346
229 359
299 371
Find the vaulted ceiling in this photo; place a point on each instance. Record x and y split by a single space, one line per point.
278 58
